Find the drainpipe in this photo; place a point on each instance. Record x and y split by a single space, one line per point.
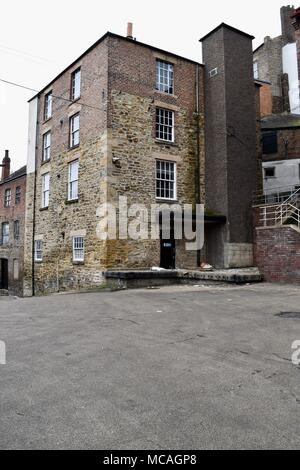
197 163
34 200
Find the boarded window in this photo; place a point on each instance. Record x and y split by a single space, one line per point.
269 141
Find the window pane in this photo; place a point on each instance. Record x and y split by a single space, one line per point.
165 180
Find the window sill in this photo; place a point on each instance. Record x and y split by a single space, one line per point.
78 263
71 201
44 209
47 120
158 199
74 100
38 261
165 93
165 142
44 162
73 148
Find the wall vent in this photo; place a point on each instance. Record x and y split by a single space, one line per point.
213 72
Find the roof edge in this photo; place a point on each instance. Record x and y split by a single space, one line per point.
231 28
99 41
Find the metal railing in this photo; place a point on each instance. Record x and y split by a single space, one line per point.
277 195
275 216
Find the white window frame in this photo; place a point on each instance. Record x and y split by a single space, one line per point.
74 131
7 197
73 181
47 146
38 250
165 119
48 106
5 236
255 70
160 188
76 84
45 190
78 249
164 77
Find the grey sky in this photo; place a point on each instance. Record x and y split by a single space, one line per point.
38 39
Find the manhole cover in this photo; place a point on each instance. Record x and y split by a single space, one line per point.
288 315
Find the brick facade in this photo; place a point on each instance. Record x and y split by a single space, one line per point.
277 253
11 252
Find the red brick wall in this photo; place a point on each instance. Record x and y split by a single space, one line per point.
266 102
277 253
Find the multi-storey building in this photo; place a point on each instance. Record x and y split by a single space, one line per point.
129 119
12 226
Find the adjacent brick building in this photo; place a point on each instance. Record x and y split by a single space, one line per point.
128 119
12 224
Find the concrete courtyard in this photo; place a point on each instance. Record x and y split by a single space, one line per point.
171 368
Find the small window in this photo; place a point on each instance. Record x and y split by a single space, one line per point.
18 195
164 77
165 180
7 198
212 73
269 141
73 180
75 84
48 106
38 250
164 124
255 70
45 189
78 249
16 269
16 229
46 146
74 130
5 233
270 172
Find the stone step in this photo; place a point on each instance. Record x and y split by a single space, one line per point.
121 279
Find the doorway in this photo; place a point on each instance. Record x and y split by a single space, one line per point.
167 248
4 274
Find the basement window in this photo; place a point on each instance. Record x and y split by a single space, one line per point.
269 142
78 249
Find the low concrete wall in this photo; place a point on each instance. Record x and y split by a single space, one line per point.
238 255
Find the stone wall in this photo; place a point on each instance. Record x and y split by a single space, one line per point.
269 59
56 225
117 121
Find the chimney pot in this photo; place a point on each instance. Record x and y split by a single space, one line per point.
129 30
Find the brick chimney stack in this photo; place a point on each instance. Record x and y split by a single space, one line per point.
5 166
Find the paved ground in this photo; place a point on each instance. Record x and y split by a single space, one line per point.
178 367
